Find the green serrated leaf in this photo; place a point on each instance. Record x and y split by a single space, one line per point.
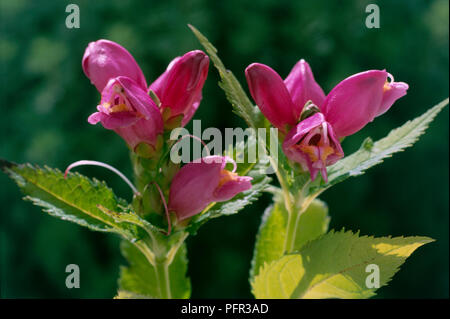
139 278
270 240
313 223
75 198
334 266
235 94
371 153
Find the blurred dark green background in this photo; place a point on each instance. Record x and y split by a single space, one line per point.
46 100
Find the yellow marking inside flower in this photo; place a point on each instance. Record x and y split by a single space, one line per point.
226 176
116 108
310 150
386 86
326 151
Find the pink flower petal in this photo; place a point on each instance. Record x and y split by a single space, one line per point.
192 188
302 128
142 131
114 120
180 86
314 145
198 184
232 188
105 59
354 102
138 98
271 95
302 86
130 112
392 92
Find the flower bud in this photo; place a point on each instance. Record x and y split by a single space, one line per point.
179 88
271 96
198 184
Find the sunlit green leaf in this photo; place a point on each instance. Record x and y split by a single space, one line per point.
270 241
335 266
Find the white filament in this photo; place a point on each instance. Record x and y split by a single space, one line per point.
195 138
101 164
230 160
391 77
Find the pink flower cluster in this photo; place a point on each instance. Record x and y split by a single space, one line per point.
313 140
311 123
127 108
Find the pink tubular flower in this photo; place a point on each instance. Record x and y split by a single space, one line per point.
360 98
198 184
179 88
127 109
349 106
125 106
104 60
313 144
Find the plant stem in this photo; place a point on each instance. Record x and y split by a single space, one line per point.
294 213
162 278
291 231
149 255
174 249
284 186
161 257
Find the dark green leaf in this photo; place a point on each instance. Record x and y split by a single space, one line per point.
75 198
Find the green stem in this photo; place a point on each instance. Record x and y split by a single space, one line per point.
149 255
163 279
291 231
174 249
288 203
158 249
161 257
284 186
294 213
295 206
